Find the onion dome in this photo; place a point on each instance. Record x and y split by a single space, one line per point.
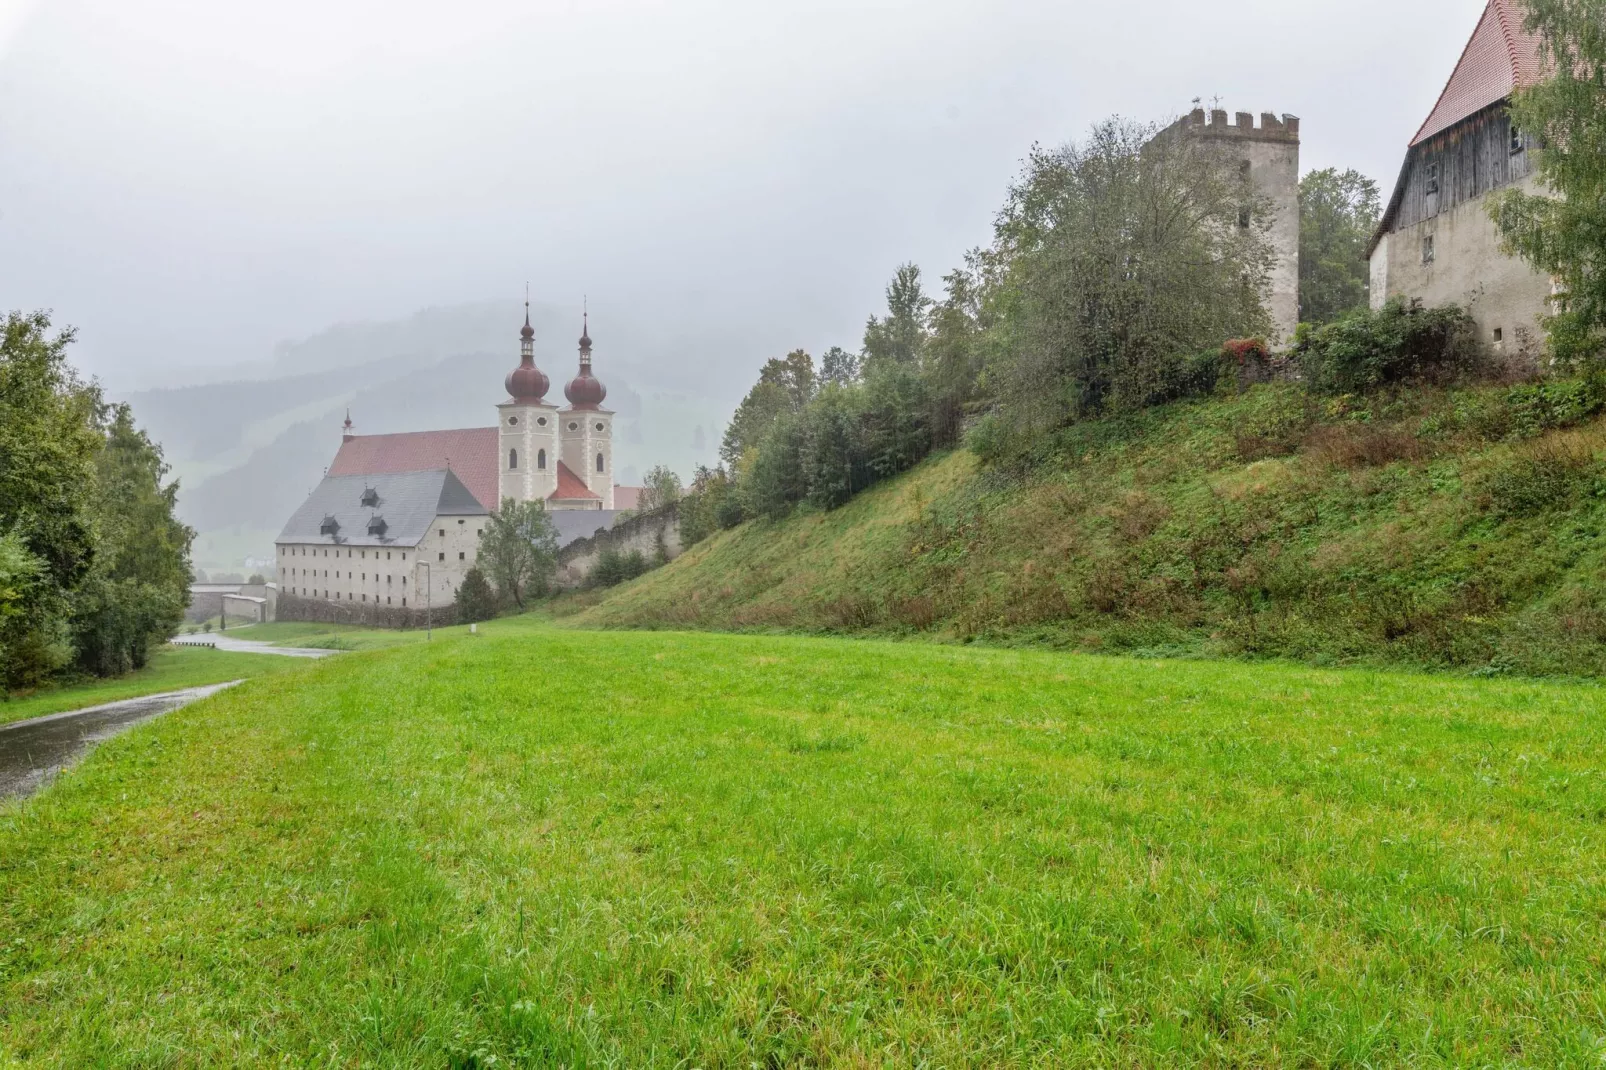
585 391
527 383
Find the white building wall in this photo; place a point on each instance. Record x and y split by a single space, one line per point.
531 430
386 576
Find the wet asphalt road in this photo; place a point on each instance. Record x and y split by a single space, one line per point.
32 752
219 641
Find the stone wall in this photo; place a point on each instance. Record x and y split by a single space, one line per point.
655 534
294 607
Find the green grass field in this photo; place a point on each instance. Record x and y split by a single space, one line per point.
171 669
545 847
334 636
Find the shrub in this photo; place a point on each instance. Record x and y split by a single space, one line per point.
1547 475
1352 445
476 600
613 568
1399 343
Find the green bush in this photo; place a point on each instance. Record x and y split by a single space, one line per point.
1398 343
476 600
613 568
1546 476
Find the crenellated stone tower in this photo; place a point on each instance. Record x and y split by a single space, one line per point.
1269 154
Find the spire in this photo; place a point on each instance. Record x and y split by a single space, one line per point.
527 335
345 428
585 334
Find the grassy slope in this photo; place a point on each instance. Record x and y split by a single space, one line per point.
316 636
1155 535
638 849
171 669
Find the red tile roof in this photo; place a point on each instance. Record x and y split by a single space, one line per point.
571 487
1499 58
471 454
626 497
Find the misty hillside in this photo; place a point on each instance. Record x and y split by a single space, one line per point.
248 451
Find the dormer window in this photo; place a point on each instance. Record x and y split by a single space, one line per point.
370 498
330 526
377 526
1433 178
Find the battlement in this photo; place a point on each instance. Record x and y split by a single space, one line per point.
1214 124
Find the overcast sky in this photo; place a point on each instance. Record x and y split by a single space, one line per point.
190 181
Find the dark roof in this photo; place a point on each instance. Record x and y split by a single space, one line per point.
1500 58
408 502
471 453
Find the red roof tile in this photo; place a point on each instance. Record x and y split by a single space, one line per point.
471 454
1500 57
571 487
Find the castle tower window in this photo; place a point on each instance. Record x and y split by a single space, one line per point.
1427 249
512 459
599 462
540 459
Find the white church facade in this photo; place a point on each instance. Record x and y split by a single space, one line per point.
395 523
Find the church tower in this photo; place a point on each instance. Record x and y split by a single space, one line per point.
528 424
587 427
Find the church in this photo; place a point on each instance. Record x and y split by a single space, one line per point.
395 523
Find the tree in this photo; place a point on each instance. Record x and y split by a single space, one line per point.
475 599
519 550
134 595
773 481
899 337
48 443
1338 211
1109 259
785 385
661 487
839 366
832 451
1563 119
953 353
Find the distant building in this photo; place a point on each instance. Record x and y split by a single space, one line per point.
1436 243
1269 155
397 520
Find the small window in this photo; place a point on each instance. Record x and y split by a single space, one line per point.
443 555
540 421
460 556
1516 139
599 462
330 526
540 459
370 498
512 460
1499 334
601 426
1433 178
1427 249
1243 219
513 421
404 603
573 426
443 533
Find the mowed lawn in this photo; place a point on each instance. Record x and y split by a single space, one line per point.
542 847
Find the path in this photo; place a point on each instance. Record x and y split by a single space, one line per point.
32 752
248 646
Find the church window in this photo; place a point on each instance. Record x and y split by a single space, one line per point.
602 427
512 459
573 426
599 462
540 459
540 421
513 421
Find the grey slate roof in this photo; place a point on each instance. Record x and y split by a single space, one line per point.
408 502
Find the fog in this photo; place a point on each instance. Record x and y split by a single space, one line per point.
191 182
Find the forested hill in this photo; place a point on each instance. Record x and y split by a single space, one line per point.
1427 527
